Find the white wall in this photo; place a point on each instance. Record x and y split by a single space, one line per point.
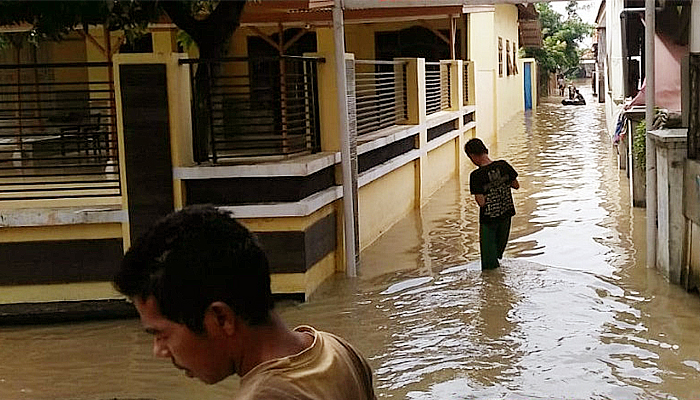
614 63
498 98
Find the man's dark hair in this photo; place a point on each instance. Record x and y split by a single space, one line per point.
194 257
475 147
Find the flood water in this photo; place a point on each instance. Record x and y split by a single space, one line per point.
573 313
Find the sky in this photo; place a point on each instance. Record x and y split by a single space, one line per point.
587 10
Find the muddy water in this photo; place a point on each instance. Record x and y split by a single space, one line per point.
572 314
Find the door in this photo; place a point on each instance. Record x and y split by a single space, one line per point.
527 74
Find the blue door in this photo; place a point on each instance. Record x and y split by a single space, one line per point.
528 85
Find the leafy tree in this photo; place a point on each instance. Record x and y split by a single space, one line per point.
210 24
559 52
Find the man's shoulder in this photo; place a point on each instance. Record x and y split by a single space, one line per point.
323 369
269 387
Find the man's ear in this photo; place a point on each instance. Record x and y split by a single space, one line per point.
223 316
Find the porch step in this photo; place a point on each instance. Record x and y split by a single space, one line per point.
65 311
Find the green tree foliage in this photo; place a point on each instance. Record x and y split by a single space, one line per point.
561 38
210 24
53 20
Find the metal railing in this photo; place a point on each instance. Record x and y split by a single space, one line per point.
380 94
465 81
437 87
58 135
694 108
255 107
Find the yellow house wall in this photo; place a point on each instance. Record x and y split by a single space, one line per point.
59 292
327 91
510 99
483 50
441 165
286 224
238 48
164 40
307 282
297 282
60 232
384 201
72 49
359 38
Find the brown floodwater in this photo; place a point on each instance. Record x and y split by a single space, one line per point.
572 314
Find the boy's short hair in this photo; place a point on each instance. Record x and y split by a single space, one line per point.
475 147
194 257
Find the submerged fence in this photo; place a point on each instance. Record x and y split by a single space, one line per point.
57 131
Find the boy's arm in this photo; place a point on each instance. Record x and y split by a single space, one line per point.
480 199
515 184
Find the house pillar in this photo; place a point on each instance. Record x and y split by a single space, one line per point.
457 77
331 122
650 33
327 90
670 146
416 107
164 40
456 68
154 131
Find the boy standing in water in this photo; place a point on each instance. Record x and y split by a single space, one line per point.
491 185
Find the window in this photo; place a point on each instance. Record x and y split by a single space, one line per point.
500 57
509 65
515 62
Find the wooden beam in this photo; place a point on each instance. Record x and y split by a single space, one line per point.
296 37
351 16
453 37
265 37
435 31
91 39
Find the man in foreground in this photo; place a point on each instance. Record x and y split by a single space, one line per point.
201 285
491 185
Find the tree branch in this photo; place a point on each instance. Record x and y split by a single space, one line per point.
211 33
181 17
223 21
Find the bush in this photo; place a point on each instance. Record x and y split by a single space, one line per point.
639 144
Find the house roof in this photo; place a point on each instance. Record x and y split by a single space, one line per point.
363 4
358 11
272 12
319 12
600 17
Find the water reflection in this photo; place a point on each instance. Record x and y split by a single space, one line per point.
572 314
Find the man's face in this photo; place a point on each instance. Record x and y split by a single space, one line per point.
203 356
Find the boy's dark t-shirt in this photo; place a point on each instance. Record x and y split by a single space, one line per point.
493 181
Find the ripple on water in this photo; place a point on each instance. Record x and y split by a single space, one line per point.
525 331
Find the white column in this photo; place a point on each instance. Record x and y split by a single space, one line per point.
346 163
650 18
695 27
